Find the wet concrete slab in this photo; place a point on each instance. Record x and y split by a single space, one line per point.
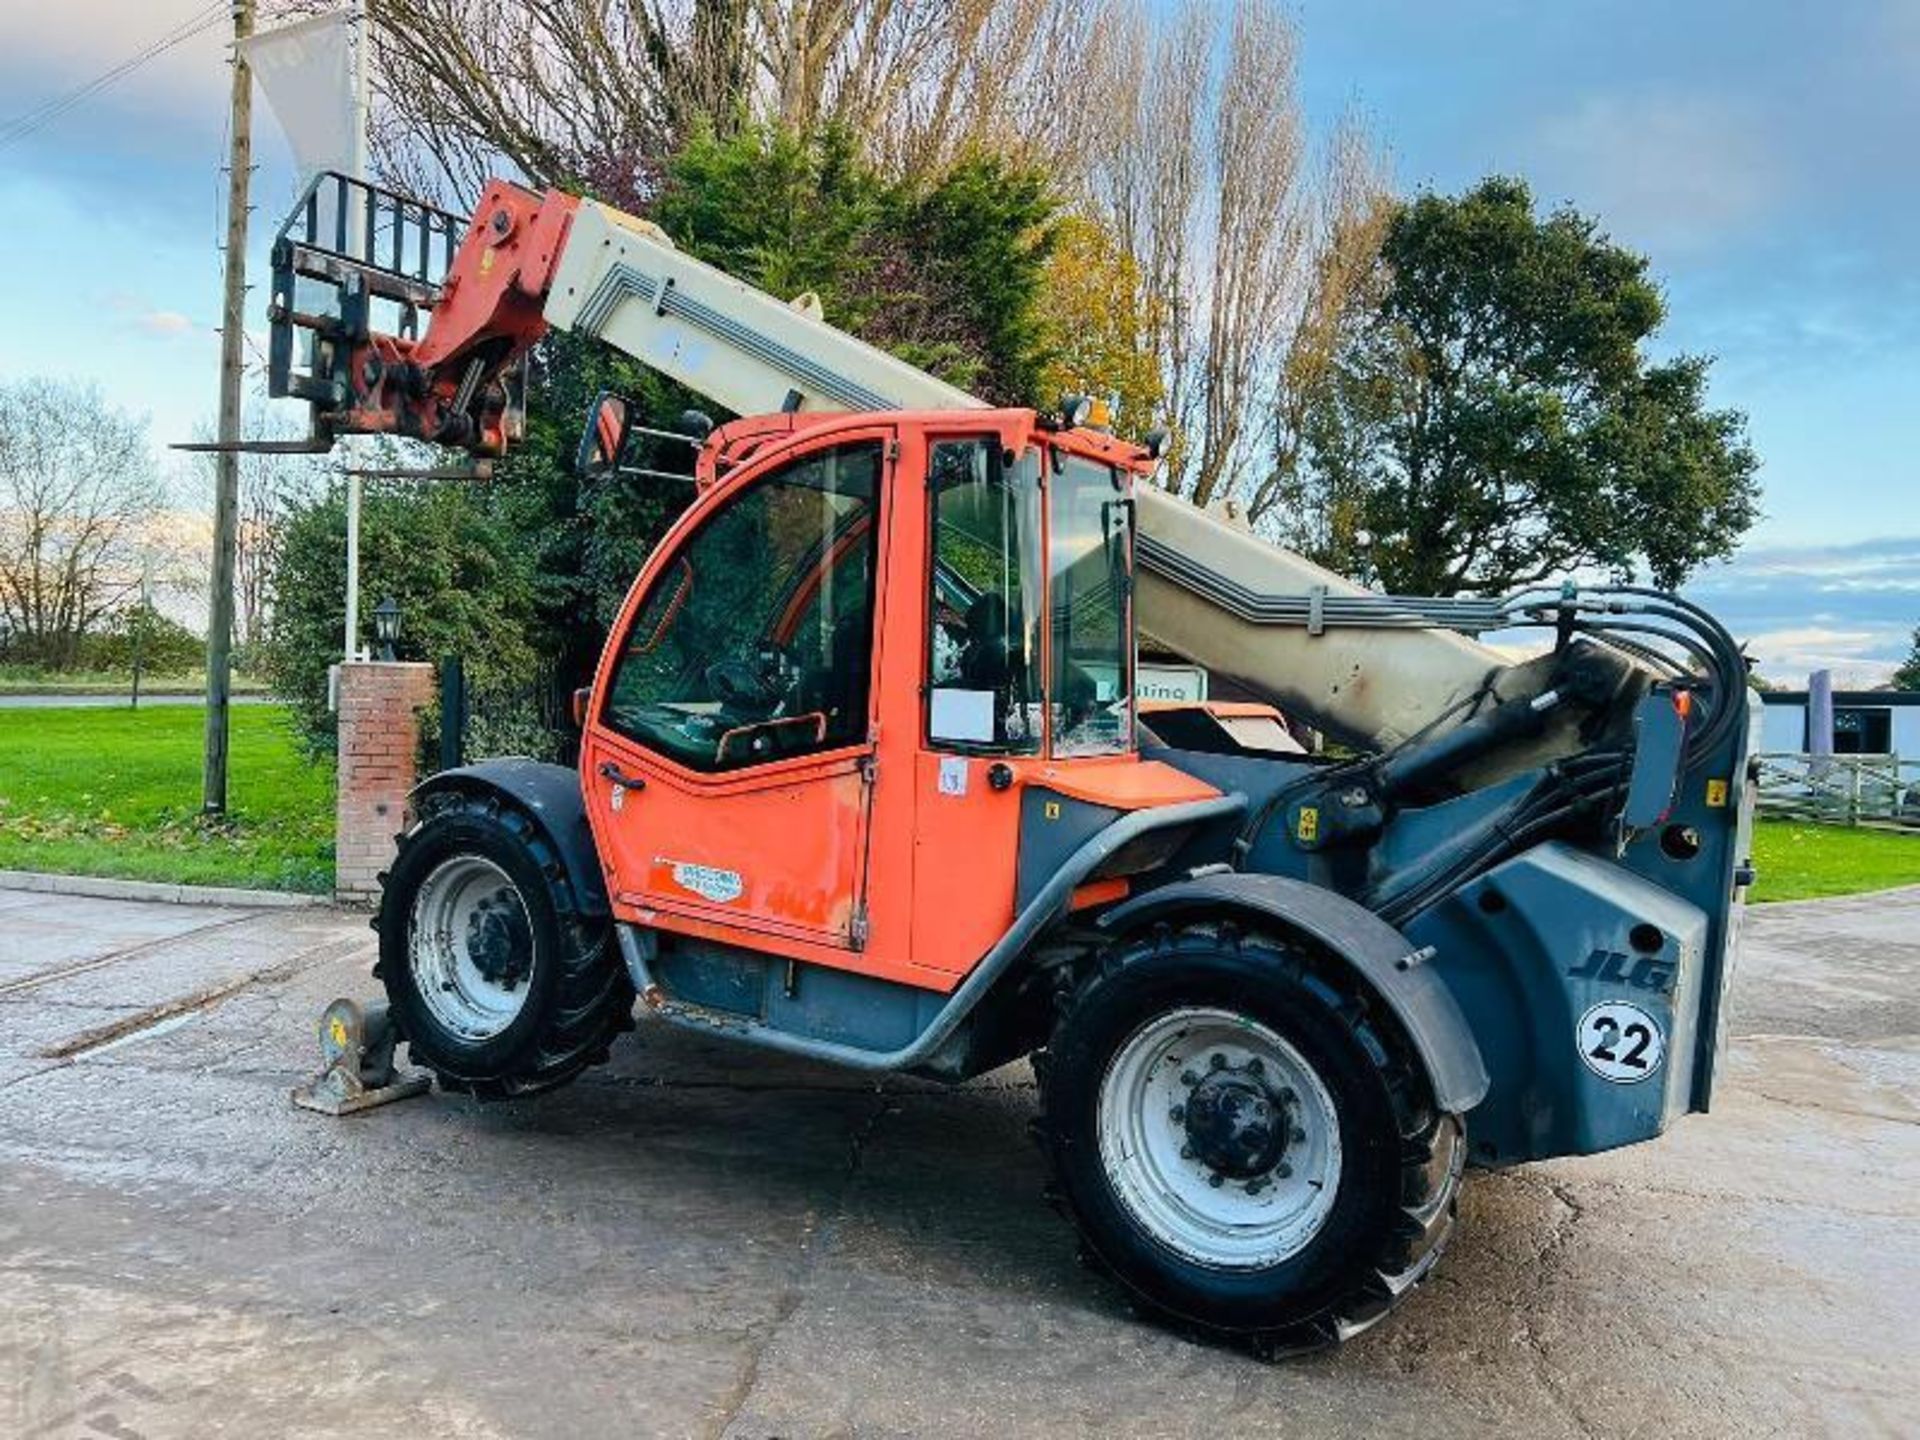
697 1240
1848 969
44 934
61 1010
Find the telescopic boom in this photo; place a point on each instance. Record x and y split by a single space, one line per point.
1349 662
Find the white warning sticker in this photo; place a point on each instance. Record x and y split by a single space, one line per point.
953 775
709 883
1620 1043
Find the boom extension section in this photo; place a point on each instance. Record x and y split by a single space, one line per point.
529 263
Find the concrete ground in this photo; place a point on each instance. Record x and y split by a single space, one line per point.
704 1242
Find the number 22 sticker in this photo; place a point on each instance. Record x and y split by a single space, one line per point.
1620 1042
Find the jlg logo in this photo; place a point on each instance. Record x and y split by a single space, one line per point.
1649 972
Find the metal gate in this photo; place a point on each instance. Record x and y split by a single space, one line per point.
484 716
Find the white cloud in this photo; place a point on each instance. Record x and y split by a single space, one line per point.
138 312
1795 654
1851 609
164 323
1668 172
64 45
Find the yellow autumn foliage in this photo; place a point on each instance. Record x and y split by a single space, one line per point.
1097 326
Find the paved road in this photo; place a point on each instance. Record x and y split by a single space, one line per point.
97 701
705 1242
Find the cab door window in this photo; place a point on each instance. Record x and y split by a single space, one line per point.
1090 582
756 641
983 650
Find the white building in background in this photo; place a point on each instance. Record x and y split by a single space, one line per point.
1865 722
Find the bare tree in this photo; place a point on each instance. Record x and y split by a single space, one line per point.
1196 154
271 488
1259 218
1354 207
1144 177
1012 77
77 486
1198 168
560 92
597 93
1177 127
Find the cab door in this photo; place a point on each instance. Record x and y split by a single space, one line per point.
982 726
1025 746
728 761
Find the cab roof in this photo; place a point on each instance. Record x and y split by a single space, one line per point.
750 437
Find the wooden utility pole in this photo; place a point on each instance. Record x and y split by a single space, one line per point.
226 495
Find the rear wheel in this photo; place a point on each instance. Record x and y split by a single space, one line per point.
497 982
1242 1142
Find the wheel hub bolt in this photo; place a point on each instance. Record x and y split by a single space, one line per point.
1187 1077
1254 1067
1298 1135
1186 1152
1283 1171
1216 1180
1218 1062
1177 1114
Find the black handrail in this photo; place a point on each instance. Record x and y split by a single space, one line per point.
404 214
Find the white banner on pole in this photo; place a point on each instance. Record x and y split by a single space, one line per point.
309 73
313 74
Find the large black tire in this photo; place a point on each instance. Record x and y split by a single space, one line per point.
574 995
1398 1163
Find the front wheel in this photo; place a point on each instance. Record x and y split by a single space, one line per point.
1242 1142
499 985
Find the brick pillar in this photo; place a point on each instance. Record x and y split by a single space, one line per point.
379 740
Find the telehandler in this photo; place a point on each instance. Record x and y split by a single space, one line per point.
862 778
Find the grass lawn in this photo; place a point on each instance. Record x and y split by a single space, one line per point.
117 792
1800 862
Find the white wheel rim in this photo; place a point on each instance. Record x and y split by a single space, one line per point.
1239 1221
470 947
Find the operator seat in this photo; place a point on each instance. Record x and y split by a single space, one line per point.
984 661
838 689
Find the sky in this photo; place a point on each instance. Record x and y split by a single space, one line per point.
1760 151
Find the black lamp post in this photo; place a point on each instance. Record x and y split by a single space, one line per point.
386 625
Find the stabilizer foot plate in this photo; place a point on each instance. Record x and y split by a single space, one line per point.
358 1073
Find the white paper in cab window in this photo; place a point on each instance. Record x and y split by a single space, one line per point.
963 715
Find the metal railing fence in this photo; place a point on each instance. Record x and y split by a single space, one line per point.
1880 790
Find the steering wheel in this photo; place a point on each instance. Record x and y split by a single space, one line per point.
743 686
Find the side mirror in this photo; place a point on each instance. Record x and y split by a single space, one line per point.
604 440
